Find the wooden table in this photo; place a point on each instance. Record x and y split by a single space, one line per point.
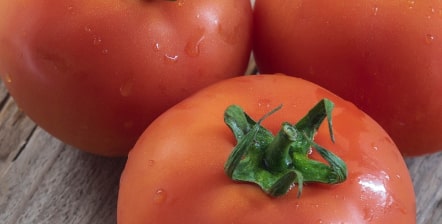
43 180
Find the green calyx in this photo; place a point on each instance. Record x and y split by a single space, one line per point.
278 163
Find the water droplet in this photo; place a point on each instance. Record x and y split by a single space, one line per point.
411 4
97 40
192 47
375 10
88 29
180 3
171 58
159 196
429 38
8 78
156 47
70 9
126 87
150 162
264 102
105 51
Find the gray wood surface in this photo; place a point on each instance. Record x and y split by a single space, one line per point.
43 180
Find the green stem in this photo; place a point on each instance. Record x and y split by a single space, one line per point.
277 163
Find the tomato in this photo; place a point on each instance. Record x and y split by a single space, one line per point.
384 56
95 74
175 172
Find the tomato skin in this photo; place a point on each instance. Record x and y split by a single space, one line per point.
95 74
384 56
175 172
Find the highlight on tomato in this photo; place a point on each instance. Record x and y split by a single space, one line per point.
384 56
95 73
253 149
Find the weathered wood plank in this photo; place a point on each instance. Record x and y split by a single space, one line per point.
53 183
426 172
15 129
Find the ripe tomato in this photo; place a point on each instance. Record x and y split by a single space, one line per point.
384 56
175 172
95 74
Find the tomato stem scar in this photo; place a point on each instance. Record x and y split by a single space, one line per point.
277 163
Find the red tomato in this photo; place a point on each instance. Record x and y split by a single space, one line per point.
384 56
95 74
175 172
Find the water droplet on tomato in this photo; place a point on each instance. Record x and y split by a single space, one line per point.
8 78
375 10
171 58
70 8
180 3
159 196
87 28
105 51
429 38
126 87
192 47
411 4
97 40
150 162
156 47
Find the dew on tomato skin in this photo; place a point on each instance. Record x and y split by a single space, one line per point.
411 4
8 78
105 51
429 38
97 40
180 3
192 47
159 196
375 10
88 29
319 221
171 58
70 9
156 47
150 162
264 102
